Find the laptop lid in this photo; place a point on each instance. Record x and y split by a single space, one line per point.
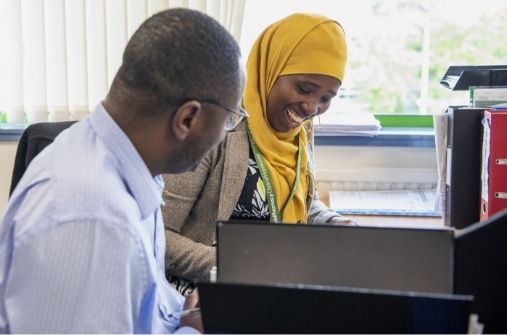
300 309
402 259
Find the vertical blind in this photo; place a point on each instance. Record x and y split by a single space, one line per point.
59 57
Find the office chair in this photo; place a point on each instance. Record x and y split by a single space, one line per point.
34 139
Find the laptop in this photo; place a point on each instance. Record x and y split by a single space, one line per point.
298 309
401 259
480 270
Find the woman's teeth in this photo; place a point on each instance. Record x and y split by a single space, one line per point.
294 117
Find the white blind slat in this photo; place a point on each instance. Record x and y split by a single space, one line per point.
96 51
56 60
137 12
236 18
11 62
213 9
34 60
177 3
199 5
116 33
75 27
155 6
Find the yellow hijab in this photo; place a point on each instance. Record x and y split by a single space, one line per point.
297 44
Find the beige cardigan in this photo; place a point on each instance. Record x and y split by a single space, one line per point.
195 200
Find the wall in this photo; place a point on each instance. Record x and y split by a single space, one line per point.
374 168
7 154
338 168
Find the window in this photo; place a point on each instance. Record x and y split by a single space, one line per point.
399 49
60 56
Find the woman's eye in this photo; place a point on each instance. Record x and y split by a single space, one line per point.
303 90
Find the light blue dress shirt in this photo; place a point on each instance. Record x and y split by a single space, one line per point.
82 240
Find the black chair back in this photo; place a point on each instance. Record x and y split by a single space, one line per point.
34 139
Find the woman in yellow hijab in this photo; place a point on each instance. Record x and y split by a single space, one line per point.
298 45
263 170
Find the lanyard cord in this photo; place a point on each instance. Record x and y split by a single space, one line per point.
275 215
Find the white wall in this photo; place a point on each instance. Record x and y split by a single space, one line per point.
376 164
338 167
374 168
7 154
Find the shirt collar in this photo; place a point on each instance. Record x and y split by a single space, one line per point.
142 186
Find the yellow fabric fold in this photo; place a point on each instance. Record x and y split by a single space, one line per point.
297 44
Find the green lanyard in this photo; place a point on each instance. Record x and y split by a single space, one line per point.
275 215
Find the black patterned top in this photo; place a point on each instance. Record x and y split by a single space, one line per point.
252 204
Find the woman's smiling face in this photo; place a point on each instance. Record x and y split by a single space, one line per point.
298 97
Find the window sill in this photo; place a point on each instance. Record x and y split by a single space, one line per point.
11 131
423 137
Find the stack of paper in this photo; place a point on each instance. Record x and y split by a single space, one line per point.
488 96
348 124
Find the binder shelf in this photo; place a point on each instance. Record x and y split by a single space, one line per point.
460 78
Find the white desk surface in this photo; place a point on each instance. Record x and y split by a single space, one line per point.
395 221
398 221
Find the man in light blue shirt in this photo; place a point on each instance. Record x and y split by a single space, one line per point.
82 240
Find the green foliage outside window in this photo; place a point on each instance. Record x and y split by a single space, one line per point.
387 64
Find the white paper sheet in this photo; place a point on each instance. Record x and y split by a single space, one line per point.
440 122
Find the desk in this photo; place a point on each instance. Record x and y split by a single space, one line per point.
398 221
395 221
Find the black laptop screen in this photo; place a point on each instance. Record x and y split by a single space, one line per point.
403 259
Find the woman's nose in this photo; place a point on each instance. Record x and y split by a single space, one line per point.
311 108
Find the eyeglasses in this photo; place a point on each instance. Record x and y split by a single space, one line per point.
234 118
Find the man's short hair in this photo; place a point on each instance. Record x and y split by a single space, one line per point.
180 54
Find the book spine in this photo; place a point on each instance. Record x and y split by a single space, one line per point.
494 164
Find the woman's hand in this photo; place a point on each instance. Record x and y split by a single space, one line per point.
341 221
193 320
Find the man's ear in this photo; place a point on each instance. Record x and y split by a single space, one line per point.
185 118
